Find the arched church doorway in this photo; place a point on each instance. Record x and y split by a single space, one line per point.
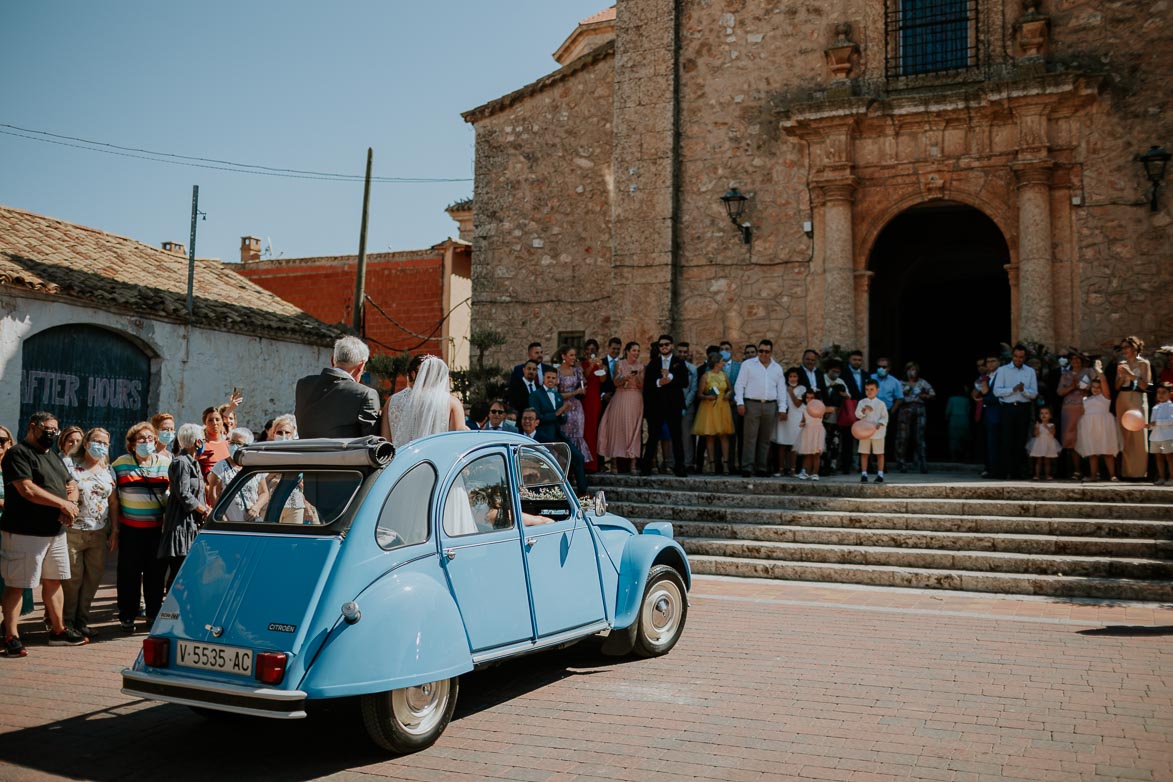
941 297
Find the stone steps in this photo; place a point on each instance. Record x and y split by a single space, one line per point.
1141 548
944 532
1063 527
922 578
1049 508
934 559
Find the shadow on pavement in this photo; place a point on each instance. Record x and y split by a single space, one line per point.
140 740
1129 631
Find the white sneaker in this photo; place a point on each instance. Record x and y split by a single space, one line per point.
815 477
802 476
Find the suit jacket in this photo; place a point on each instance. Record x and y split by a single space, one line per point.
517 374
820 378
667 398
506 426
548 419
853 388
331 404
518 394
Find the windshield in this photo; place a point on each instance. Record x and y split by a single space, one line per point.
292 497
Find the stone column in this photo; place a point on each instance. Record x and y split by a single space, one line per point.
838 264
1036 305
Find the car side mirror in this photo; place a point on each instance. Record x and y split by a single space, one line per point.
600 503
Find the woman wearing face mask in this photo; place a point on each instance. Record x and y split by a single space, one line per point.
69 445
164 424
186 505
223 473
92 534
142 502
910 420
296 510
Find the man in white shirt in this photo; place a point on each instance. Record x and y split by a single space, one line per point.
1016 386
761 400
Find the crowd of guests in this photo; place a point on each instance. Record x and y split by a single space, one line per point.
622 412
65 505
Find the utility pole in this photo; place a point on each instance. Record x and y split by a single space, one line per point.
361 277
195 210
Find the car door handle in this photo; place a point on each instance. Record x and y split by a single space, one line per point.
450 553
529 542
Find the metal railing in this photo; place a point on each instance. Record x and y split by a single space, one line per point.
926 37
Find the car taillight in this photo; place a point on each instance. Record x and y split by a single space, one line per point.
270 667
156 652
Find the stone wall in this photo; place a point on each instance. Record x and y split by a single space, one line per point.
542 210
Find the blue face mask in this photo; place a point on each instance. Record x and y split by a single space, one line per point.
725 354
882 372
283 437
233 448
167 436
143 450
98 450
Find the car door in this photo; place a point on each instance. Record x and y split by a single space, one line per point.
559 550
481 553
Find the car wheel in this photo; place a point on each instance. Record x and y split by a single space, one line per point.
661 612
411 718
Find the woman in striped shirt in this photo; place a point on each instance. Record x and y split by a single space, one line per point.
142 481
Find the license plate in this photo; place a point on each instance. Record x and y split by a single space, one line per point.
212 657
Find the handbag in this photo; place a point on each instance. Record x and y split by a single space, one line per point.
846 415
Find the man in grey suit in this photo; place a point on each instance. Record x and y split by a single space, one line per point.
334 403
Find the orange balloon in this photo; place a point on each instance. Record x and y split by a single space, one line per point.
816 408
1132 420
863 430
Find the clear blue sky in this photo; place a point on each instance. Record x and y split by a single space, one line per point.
288 84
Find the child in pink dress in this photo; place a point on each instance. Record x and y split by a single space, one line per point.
1043 448
812 439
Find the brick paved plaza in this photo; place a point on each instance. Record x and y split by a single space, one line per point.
772 680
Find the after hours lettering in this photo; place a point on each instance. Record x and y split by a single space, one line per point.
63 389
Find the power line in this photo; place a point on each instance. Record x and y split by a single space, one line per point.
207 163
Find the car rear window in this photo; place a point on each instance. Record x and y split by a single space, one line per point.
288 497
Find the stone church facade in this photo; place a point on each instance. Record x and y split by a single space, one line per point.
924 177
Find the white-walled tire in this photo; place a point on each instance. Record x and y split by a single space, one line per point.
412 718
662 612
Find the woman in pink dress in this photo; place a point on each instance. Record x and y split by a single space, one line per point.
592 370
1074 385
572 386
622 424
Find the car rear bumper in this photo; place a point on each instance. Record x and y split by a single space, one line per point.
235 698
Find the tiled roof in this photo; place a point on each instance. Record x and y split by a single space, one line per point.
463 205
606 15
60 259
500 104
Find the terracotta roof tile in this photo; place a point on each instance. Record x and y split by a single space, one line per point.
53 257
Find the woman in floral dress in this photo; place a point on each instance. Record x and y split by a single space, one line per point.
572 386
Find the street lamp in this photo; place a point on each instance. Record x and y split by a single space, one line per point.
734 205
1154 162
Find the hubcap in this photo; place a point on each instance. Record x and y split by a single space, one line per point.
419 709
661 612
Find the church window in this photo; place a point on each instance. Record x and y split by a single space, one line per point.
930 36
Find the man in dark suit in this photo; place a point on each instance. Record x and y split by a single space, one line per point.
521 387
535 355
552 412
812 376
665 381
853 377
334 403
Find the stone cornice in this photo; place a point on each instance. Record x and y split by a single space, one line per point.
486 110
